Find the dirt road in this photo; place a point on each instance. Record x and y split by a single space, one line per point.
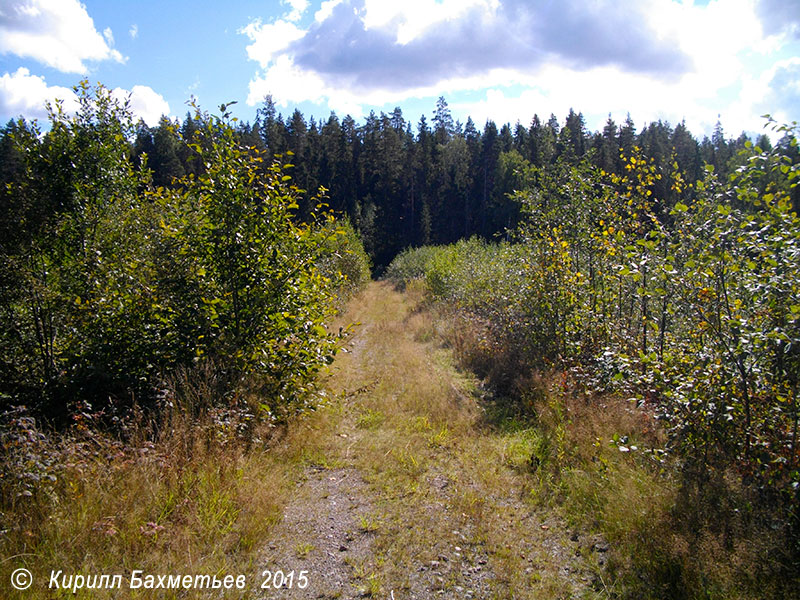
409 489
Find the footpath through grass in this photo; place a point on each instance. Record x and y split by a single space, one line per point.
452 513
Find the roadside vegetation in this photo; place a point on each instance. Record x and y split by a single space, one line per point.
651 344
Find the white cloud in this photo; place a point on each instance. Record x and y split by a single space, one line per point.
134 31
298 9
270 39
361 50
326 10
57 33
289 83
145 103
411 18
24 94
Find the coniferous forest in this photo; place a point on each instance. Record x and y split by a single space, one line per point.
406 184
179 284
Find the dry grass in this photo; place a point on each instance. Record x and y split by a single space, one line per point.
199 499
185 504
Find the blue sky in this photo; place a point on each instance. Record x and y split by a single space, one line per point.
502 59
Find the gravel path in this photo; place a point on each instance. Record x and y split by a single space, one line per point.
321 535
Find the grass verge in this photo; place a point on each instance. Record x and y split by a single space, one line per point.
194 493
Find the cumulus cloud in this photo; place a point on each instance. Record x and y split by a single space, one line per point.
358 49
134 31
57 33
782 98
24 94
421 42
298 9
326 10
145 103
270 39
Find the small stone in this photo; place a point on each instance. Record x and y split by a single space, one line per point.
458 548
342 548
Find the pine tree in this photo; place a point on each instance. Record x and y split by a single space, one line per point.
143 143
608 154
164 159
534 153
490 153
520 138
443 126
627 139
190 159
573 136
397 121
272 128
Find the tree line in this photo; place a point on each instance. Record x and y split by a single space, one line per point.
404 185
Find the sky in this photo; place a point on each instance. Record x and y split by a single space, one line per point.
505 60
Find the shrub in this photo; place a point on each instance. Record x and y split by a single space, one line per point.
410 264
112 284
692 309
346 262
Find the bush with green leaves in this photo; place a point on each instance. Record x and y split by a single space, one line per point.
410 264
345 261
110 284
